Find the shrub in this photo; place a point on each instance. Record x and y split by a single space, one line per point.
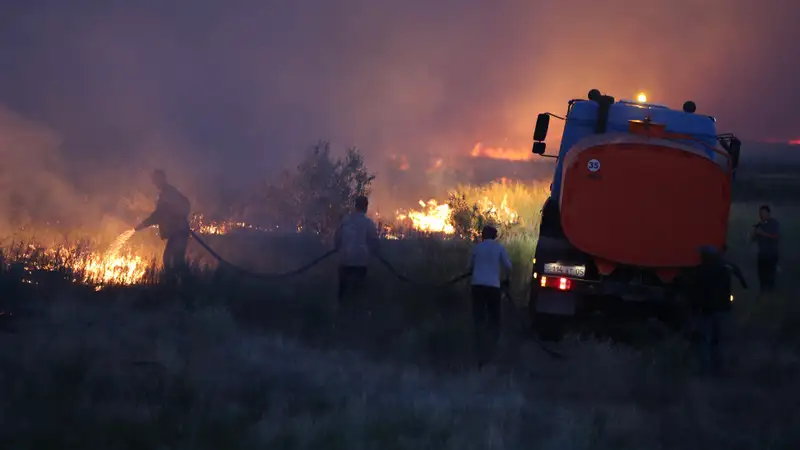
319 192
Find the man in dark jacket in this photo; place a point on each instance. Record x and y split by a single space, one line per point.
767 233
711 301
172 218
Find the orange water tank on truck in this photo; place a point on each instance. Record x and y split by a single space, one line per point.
637 189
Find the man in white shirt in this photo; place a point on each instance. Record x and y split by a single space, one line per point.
487 261
356 240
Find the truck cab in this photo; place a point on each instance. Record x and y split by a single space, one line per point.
637 189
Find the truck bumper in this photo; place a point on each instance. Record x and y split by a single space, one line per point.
550 301
586 295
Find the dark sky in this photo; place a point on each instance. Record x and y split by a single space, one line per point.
239 85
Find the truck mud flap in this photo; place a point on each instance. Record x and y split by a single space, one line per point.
556 302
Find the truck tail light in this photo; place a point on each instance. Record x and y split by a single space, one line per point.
562 284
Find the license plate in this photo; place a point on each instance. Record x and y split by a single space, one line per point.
561 269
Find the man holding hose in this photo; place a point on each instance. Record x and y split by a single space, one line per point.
488 259
172 218
356 239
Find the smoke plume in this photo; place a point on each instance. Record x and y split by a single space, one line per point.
224 94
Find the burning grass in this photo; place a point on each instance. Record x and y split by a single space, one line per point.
119 264
513 207
432 218
207 227
78 263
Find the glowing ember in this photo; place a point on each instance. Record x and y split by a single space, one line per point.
433 218
201 226
387 232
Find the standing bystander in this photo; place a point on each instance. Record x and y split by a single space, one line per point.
766 234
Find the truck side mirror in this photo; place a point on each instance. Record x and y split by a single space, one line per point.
539 147
542 124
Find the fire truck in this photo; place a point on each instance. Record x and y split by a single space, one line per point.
638 188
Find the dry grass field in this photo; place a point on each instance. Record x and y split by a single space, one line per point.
233 363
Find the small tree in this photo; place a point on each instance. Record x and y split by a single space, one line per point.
321 190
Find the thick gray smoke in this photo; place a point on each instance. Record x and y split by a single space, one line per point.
31 176
47 196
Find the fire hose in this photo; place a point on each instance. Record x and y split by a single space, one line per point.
313 263
505 293
244 271
505 290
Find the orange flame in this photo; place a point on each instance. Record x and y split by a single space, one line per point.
433 218
507 154
436 218
782 141
402 162
113 267
200 225
117 265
